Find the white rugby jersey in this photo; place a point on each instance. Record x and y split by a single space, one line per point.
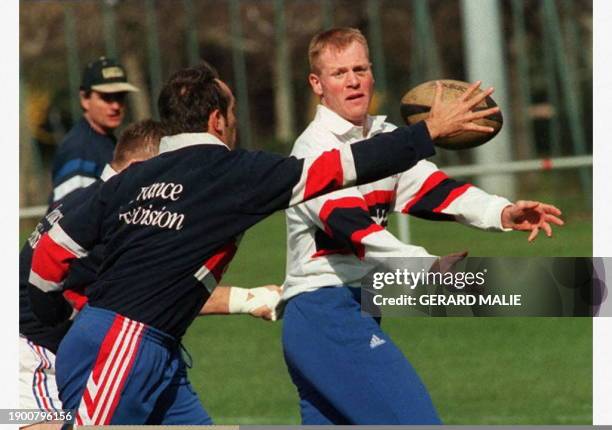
336 239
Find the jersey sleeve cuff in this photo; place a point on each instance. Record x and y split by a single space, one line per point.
494 211
422 143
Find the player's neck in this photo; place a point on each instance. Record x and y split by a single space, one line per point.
363 125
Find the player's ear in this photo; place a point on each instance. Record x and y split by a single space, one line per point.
216 123
84 98
315 84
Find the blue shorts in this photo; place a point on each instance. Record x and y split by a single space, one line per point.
113 370
346 369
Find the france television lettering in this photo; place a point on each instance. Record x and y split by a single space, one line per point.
148 215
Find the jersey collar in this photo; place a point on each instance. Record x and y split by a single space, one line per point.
341 127
183 140
107 173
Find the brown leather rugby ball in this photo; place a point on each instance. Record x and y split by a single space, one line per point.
416 104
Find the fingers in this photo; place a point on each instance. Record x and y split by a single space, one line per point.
470 90
472 116
535 230
548 208
438 94
551 209
477 99
533 234
553 219
527 203
523 227
273 287
470 126
264 312
544 225
547 229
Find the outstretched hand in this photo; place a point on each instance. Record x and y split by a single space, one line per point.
525 215
449 119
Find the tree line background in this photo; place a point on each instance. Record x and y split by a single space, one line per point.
260 49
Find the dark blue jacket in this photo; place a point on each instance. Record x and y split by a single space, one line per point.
80 159
171 225
44 317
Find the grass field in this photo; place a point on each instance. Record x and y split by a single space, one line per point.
478 370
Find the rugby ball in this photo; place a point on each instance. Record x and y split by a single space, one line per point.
416 104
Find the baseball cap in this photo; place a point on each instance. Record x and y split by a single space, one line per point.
105 75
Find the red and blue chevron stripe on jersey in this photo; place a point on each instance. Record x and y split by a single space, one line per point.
327 172
212 270
436 194
379 198
107 379
329 162
55 251
348 215
76 298
348 220
40 379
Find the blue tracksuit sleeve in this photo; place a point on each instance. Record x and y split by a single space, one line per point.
276 182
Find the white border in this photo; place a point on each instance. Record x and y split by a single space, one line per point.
602 202
9 214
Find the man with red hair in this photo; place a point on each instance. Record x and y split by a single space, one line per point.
345 368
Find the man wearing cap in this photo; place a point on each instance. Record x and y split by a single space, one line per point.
89 145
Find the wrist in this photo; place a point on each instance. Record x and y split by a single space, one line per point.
422 144
246 300
238 300
432 129
506 217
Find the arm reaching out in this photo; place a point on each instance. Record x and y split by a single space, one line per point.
259 302
371 159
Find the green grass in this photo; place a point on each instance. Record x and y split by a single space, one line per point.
502 370
478 370
571 240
